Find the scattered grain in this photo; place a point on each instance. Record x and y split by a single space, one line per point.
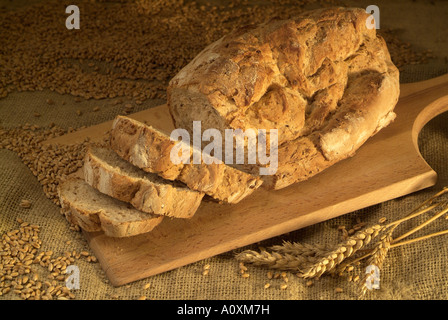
382 220
19 256
102 67
359 226
25 204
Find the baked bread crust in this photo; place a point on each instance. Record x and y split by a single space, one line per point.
323 79
149 149
93 211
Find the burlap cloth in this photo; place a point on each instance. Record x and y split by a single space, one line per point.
415 271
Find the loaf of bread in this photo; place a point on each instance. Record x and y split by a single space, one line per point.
94 211
324 80
150 150
110 174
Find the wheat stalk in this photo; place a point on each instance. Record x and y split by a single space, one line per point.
438 215
276 260
343 251
312 261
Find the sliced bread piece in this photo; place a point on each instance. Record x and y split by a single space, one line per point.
107 172
150 149
93 211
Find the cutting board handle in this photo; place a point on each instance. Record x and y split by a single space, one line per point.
425 101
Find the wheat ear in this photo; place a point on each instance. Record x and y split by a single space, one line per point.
301 249
343 251
376 259
276 260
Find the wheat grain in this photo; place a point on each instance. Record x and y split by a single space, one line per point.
25 204
106 68
19 256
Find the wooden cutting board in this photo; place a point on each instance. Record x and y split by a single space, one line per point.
387 166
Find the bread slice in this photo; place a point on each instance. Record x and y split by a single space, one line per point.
110 174
149 149
93 211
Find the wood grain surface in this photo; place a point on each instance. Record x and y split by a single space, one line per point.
387 166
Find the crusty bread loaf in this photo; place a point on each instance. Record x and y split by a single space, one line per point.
149 149
323 79
111 175
94 211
